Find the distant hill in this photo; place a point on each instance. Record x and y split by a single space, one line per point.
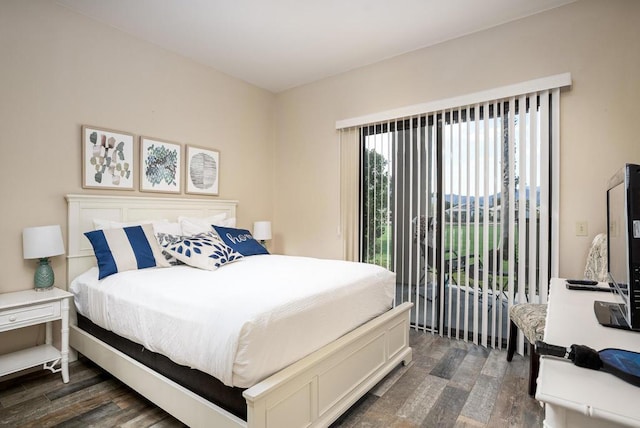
454 199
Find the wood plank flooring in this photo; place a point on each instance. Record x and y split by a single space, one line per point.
448 384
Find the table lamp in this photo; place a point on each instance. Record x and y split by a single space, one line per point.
41 243
262 231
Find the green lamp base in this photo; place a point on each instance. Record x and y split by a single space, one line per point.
43 279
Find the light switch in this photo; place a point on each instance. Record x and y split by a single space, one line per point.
581 228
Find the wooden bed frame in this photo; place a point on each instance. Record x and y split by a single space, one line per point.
313 391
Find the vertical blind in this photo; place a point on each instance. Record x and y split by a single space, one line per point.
457 201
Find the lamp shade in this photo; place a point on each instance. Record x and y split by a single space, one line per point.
42 242
262 230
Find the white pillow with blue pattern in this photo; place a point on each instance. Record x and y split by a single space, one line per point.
204 251
166 239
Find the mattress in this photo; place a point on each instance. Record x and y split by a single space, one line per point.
203 384
242 322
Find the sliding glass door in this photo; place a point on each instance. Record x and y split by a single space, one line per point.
399 200
456 203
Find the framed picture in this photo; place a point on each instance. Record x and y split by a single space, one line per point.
202 171
160 166
107 159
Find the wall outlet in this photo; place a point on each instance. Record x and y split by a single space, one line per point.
582 228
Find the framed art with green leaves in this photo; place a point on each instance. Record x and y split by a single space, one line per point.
107 159
160 166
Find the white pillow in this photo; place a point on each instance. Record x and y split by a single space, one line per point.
204 251
166 227
168 233
196 225
99 224
227 222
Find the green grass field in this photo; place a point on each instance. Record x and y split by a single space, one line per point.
456 244
455 240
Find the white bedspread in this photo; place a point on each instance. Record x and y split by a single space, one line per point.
242 322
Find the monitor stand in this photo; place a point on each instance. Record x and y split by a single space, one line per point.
610 314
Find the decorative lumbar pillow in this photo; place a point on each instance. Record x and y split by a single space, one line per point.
127 248
166 239
196 225
240 240
204 251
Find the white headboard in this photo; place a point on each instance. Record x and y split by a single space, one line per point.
83 209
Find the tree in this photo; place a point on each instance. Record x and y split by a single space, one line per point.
506 167
505 200
375 193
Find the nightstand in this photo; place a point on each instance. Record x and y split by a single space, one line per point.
31 307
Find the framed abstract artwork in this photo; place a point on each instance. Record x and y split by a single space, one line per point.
202 171
160 166
107 159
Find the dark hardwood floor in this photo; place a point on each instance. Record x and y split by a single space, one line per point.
448 384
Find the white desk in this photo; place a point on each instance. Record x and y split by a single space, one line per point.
578 397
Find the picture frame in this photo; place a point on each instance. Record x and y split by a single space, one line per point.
202 171
160 166
107 159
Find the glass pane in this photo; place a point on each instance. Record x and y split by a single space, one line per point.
451 204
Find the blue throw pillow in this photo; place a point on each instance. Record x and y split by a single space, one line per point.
127 248
240 240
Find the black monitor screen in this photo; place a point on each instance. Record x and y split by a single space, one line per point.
623 238
617 236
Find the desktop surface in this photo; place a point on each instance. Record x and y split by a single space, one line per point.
576 396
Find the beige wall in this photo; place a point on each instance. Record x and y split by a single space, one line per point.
598 42
60 70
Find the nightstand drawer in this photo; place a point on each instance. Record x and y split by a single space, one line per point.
34 314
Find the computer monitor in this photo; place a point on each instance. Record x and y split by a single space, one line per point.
623 246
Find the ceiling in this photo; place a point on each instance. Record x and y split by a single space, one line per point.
281 44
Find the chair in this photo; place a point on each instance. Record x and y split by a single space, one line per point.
494 266
596 266
422 228
530 318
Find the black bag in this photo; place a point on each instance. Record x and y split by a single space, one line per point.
618 362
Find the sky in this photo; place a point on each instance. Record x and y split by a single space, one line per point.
459 159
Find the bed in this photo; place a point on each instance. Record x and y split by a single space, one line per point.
313 390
